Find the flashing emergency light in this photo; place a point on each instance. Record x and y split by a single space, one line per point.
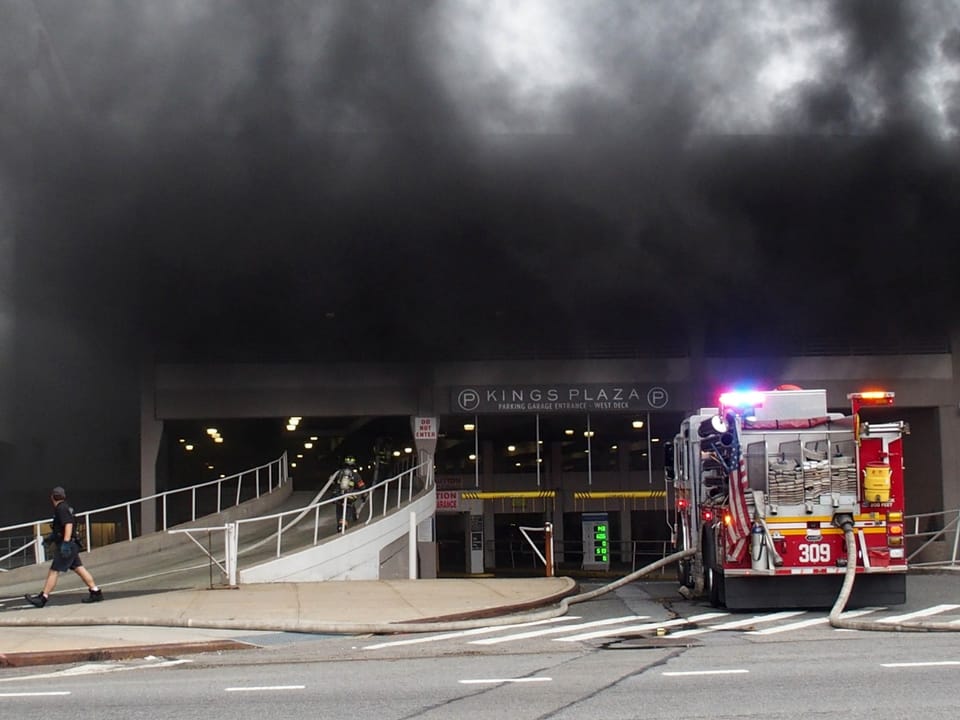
707 515
742 399
870 397
873 397
682 504
727 519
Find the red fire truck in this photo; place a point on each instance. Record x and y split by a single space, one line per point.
764 485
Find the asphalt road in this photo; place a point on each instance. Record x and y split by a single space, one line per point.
843 677
722 666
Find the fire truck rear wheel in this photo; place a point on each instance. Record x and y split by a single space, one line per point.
712 573
684 573
685 566
717 591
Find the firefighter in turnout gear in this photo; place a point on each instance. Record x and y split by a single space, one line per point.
347 480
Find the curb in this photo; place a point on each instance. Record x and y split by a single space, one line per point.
57 657
503 609
129 652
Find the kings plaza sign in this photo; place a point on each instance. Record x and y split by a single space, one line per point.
608 397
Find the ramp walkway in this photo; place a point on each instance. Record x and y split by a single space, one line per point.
167 592
259 520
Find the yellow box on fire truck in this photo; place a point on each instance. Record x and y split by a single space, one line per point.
765 485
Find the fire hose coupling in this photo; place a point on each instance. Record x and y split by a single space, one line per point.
843 521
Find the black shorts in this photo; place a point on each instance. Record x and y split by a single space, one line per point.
70 562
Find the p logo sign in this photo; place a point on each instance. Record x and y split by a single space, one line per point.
468 399
657 397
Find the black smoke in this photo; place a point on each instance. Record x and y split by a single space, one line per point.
299 177
301 180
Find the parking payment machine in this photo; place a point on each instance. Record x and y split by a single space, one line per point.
596 541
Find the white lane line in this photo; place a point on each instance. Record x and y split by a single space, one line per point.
735 624
810 623
932 663
34 694
263 688
640 628
556 630
468 633
737 671
481 681
936 609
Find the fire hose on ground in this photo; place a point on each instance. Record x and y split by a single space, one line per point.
451 626
32 620
848 579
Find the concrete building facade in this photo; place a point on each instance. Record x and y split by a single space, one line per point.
523 443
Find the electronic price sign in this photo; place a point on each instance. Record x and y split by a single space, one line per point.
596 541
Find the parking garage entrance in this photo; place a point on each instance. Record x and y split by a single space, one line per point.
554 464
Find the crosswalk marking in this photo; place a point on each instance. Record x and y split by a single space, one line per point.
695 625
926 612
809 623
556 630
735 624
641 628
467 633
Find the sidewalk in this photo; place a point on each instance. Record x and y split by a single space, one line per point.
128 625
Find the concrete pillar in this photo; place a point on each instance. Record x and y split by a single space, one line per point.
556 483
949 417
7 345
475 532
489 535
151 432
626 533
950 455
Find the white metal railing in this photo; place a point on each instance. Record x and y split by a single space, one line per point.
949 523
394 491
23 548
262 479
225 567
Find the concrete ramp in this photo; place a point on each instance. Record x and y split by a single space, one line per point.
156 561
379 550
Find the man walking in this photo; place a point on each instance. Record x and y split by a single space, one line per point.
67 552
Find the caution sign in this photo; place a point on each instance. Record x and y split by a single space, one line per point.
448 500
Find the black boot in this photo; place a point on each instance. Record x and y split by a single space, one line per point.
38 600
94 596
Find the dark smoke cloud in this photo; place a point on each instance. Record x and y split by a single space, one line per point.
295 179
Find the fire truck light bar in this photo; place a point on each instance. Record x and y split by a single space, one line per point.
741 399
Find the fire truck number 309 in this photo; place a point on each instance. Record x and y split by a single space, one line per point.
814 552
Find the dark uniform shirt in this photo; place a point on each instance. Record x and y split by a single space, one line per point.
63 516
67 556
